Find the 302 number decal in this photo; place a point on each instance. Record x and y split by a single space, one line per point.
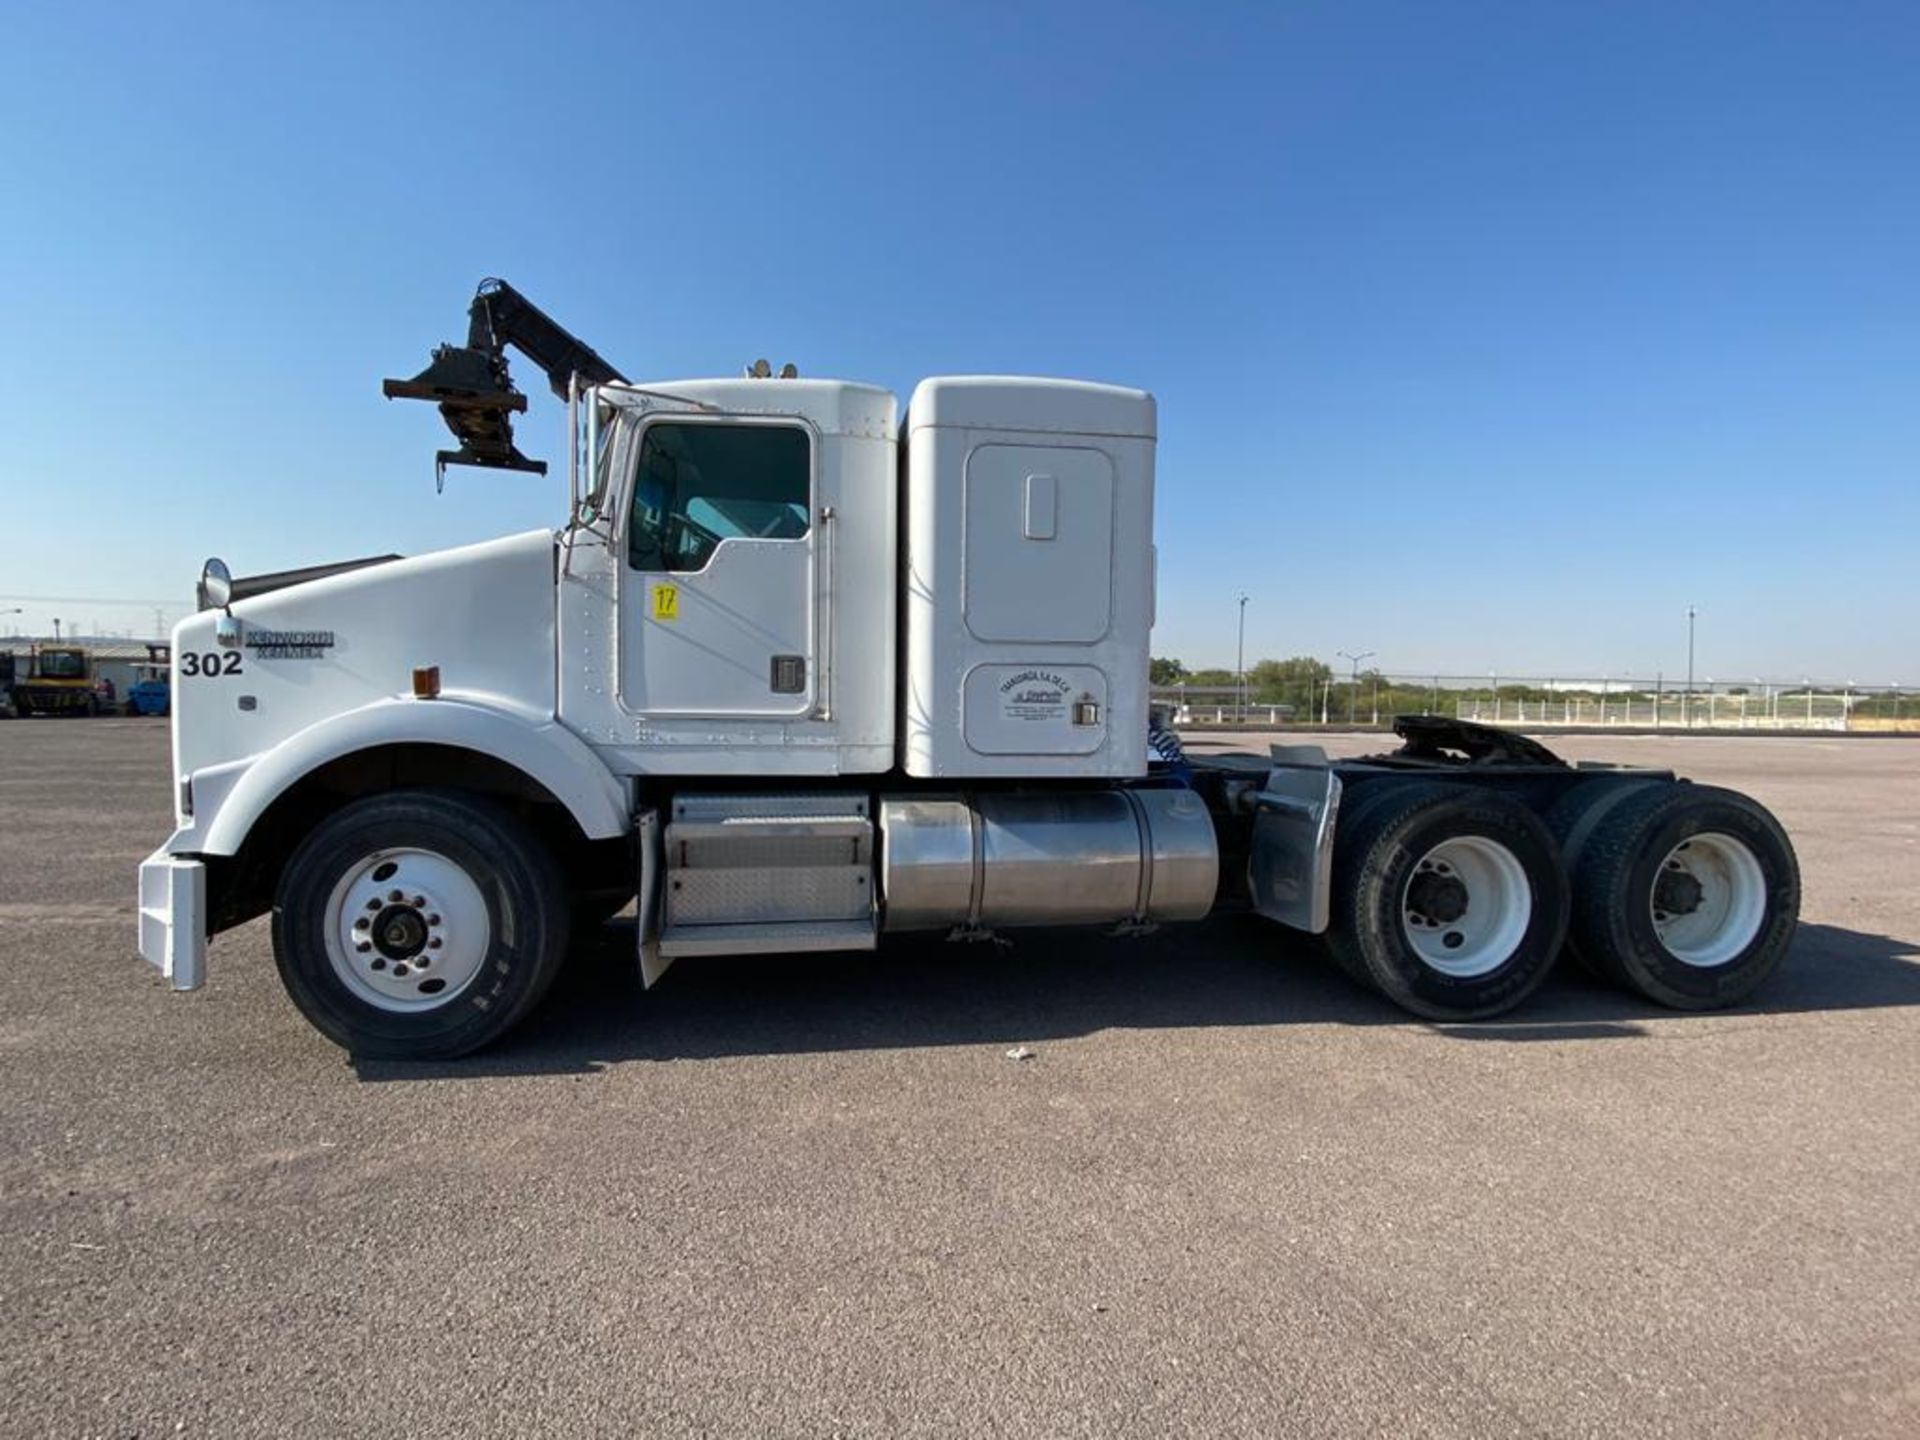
209 662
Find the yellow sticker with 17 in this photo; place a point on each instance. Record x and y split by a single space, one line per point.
666 602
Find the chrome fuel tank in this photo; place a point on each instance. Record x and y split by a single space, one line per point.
1054 857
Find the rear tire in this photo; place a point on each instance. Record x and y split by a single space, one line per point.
1449 899
1688 894
1355 807
419 925
1574 817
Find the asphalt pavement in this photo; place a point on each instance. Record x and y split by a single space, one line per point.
1227 1194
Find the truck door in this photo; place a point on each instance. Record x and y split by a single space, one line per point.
717 594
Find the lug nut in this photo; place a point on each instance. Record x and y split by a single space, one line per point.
434 943
400 971
363 923
433 919
396 896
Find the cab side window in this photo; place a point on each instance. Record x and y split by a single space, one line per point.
698 484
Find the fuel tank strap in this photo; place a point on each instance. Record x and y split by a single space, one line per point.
1143 899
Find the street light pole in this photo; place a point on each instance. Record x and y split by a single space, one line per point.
1353 685
1686 703
1240 658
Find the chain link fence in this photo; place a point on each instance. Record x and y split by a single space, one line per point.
1549 703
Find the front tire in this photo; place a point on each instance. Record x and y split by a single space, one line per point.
1451 900
419 925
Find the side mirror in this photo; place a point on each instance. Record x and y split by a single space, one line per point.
216 585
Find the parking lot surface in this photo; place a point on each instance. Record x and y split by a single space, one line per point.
1228 1194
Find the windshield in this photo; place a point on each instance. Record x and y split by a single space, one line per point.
62 665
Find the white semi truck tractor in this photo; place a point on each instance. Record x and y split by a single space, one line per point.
798 671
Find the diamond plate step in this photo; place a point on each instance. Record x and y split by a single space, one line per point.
782 937
769 860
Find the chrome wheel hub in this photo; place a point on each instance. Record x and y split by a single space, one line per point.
1709 900
407 930
1467 906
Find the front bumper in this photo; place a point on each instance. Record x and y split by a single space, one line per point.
173 918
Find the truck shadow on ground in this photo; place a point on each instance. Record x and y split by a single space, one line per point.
1055 985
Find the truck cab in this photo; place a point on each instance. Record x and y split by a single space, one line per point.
774 579
736 533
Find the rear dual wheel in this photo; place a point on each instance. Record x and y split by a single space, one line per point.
1688 894
1449 899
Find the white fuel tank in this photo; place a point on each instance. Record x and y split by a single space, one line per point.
1029 578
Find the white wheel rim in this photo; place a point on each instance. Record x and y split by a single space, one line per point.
407 930
1731 905
1487 884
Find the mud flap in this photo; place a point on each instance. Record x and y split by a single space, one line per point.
1290 865
647 838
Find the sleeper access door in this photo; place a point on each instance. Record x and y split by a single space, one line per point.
717 602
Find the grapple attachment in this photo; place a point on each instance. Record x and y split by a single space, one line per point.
478 400
476 395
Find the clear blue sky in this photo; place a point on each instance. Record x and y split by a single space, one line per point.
1486 335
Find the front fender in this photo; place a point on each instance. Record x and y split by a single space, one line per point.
541 749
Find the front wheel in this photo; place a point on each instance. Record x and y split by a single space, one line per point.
1449 899
419 925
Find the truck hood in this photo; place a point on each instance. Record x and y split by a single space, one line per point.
484 614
